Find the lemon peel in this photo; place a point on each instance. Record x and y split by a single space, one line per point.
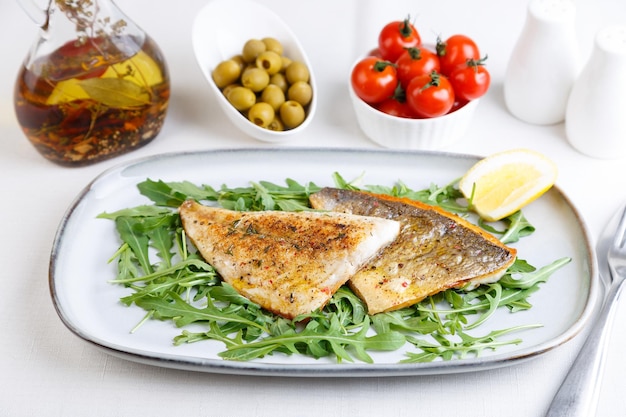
504 182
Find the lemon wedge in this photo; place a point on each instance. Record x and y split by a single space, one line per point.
503 183
65 91
140 69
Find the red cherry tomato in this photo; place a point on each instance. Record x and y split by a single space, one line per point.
455 51
395 107
430 95
395 36
470 80
374 80
79 60
458 104
375 52
415 61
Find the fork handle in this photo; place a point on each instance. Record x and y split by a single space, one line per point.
578 394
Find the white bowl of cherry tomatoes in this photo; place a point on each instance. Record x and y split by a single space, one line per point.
410 95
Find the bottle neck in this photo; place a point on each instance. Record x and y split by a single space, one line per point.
89 31
96 19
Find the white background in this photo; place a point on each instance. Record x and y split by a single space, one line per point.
47 371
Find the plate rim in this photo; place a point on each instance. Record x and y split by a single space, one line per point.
350 369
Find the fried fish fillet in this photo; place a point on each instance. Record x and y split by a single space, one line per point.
289 263
435 250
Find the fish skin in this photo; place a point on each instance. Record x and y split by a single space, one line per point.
435 250
289 263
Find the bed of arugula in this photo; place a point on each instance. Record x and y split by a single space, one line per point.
167 278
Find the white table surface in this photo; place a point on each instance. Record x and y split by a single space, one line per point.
47 371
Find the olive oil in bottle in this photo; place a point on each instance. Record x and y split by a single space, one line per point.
93 97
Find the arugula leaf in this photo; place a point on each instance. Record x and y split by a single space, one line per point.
517 227
139 211
340 182
161 240
525 280
447 197
447 349
225 292
182 313
137 242
405 320
349 308
161 193
127 265
319 341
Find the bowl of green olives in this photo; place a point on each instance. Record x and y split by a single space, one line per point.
256 67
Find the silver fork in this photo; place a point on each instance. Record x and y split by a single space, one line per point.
578 395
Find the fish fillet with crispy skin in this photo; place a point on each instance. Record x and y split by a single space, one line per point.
435 250
288 263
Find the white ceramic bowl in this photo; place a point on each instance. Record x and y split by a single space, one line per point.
219 32
415 134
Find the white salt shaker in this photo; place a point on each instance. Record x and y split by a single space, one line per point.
596 112
544 63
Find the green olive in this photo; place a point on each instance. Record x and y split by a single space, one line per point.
261 114
292 114
297 71
274 45
301 92
251 49
228 88
240 61
286 62
241 98
280 80
276 125
226 72
255 79
273 95
269 61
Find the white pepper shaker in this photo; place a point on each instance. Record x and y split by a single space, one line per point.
596 111
544 63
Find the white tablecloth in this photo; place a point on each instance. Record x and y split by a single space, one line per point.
47 371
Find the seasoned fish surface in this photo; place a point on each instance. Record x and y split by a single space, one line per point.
289 263
435 250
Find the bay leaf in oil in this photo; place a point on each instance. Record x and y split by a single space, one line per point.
115 92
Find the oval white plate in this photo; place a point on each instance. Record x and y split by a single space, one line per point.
89 305
219 33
